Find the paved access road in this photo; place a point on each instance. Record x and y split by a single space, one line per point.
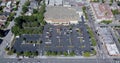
53 60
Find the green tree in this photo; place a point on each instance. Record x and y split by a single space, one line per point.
17 2
72 53
24 9
41 41
15 30
65 53
19 53
24 39
35 11
10 52
83 8
1 8
27 53
86 54
35 53
27 3
48 53
115 12
7 48
106 21
111 1
11 17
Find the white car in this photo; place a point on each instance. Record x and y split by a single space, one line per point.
34 45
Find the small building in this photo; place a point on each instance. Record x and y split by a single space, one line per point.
8 5
3 19
7 9
61 15
101 12
112 50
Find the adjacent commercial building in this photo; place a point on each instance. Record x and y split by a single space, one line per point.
63 12
61 15
107 40
101 11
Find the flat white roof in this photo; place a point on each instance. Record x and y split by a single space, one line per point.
61 13
112 49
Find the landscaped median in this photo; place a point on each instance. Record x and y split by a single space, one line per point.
11 51
106 21
115 12
84 11
55 53
94 0
93 41
86 54
89 53
92 38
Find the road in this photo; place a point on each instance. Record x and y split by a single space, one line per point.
102 54
51 60
8 38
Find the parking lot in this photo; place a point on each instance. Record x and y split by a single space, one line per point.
57 38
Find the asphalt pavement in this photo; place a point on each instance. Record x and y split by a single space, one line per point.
7 39
60 39
52 60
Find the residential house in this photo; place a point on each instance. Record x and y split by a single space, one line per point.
3 19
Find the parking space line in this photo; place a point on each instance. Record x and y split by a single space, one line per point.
71 46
